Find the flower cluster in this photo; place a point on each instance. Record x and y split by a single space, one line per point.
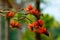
29 7
15 25
10 14
31 10
37 27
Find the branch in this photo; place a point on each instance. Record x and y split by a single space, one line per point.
4 11
1 11
22 18
2 14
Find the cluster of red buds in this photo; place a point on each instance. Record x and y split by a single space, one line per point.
38 27
15 25
10 14
31 10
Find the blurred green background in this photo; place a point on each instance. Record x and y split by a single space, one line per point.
51 16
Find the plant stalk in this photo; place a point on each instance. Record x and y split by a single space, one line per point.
37 3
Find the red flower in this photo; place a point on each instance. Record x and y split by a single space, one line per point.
15 24
41 30
29 7
30 10
12 24
41 22
30 27
35 24
10 14
34 12
38 27
34 27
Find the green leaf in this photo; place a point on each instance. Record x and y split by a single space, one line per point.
31 18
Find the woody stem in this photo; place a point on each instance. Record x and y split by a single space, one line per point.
37 3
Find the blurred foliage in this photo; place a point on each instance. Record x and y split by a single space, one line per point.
13 34
49 22
27 35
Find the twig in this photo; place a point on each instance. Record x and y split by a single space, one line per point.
4 11
2 14
22 18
